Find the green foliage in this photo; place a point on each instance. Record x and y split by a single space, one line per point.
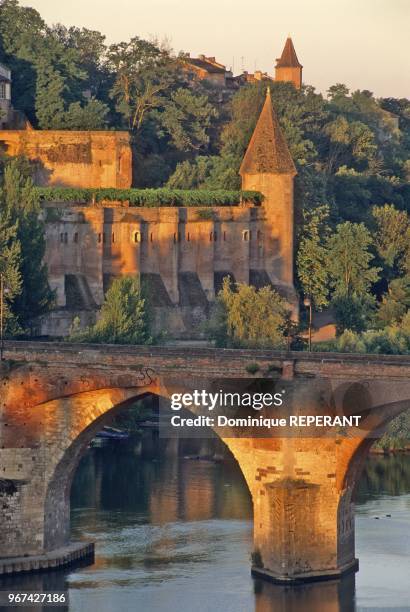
349 260
353 312
123 318
150 197
31 296
10 260
187 118
392 340
395 303
143 73
391 237
247 317
89 116
312 257
212 172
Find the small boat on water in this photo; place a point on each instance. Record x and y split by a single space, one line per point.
111 433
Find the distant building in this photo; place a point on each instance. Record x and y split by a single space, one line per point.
288 68
206 69
9 117
5 95
255 77
202 68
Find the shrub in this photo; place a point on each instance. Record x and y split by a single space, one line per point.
247 317
151 197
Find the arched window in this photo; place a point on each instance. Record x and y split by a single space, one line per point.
99 238
75 237
137 237
224 236
188 237
113 237
151 237
246 235
177 237
65 237
213 237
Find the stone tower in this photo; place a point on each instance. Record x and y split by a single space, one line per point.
268 167
288 67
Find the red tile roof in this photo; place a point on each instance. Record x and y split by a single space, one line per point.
288 59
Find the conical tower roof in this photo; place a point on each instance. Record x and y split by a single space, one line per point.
267 152
288 59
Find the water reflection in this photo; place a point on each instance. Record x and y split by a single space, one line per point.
175 534
332 596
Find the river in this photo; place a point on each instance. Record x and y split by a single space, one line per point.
175 535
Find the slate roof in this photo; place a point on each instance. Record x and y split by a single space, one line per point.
267 152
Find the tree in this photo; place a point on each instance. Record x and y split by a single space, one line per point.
312 257
10 259
123 318
350 144
21 203
89 116
144 72
349 260
395 302
391 237
351 276
245 316
187 117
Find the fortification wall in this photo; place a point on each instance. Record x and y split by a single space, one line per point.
73 158
181 254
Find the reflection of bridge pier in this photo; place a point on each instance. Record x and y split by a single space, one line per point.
331 596
55 397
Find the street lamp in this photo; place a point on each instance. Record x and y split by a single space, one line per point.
308 303
3 291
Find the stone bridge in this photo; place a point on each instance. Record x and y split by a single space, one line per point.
54 397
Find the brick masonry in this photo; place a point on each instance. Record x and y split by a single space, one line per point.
55 397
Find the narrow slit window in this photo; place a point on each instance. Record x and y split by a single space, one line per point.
75 237
137 237
245 235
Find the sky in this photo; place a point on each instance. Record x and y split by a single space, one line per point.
361 43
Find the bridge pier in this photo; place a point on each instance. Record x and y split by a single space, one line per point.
292 542
303 512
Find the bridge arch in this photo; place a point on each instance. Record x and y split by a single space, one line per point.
54 398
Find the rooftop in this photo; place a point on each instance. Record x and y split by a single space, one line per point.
267 152
288 59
